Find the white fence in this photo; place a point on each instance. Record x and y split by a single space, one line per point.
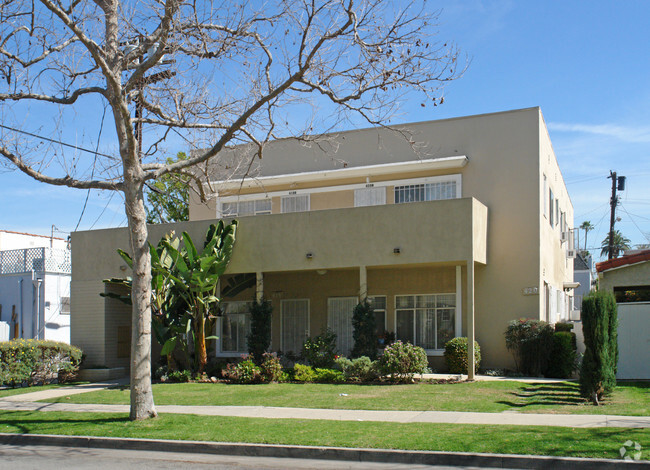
35 259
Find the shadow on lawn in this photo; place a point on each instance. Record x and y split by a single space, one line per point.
24 425
555 394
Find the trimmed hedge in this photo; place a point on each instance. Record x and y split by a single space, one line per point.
562 361
28 361
456 355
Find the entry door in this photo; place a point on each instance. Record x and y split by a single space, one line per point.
339 320
294 324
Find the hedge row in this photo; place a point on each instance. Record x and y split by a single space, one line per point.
28 362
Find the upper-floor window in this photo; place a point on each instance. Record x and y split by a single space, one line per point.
425 192
370 196
544 197
295 203
551 201
243 208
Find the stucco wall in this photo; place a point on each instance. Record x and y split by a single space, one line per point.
632 275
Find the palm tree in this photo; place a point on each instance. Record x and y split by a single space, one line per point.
621 243
587 227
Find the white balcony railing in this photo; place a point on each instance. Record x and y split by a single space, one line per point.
42 260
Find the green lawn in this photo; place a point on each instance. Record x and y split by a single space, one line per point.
537 440
495 397
7 392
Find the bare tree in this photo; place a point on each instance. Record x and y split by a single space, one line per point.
216 73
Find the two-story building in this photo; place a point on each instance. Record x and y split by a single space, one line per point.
446 226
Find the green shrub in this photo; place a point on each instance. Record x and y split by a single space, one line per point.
599 326
303 373
561 326
259 338
361 369
179 376
364 331
245 372
271 369
456 355
562 361
320 351
329 376
401 361
531 342
27 361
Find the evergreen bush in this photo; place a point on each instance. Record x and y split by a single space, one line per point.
320 351
531 342
303 373
562 361
599 363
401 361
456 355
259 338
364 331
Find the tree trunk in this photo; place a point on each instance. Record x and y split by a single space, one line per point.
142 405
200 344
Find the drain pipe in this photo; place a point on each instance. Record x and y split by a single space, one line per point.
20 320
36 321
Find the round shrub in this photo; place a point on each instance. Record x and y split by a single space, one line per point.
303 373
401 361
456 355
246 372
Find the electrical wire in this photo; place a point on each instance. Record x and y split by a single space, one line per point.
92 172
76 147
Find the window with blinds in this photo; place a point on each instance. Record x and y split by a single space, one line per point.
339 320
370 196
294 324
425 192
244 208
295 203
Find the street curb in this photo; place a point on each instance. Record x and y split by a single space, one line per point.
324 453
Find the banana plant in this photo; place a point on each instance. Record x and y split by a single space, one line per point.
196 275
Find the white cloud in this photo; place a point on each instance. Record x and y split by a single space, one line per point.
631 134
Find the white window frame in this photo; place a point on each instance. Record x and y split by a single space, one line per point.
307 333
219 331
239 201
306 198
376 195
430 352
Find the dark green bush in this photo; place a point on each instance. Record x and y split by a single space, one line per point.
562 361
364 331
271 369
361 369
303 373
456 355
179 376
244 372
560 326
259 338
27 361
401 361
320 351
531 342
599 326
329 376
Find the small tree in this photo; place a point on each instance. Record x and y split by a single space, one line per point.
364 331
599 326
168 196
621 243
259 339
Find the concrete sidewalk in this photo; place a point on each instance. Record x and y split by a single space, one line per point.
28 402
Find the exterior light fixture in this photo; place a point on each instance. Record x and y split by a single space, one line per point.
397 250
309 255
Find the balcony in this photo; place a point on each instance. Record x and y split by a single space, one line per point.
40 260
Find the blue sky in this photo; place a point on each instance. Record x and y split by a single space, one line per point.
586 64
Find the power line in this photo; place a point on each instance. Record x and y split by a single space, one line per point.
92 172
76 147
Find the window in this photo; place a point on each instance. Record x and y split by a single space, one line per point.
65 306
557 211
370 196
425 192
551 200
339 320
625 294
378 303
244 208
295 203
294 323
427 321
544 197
233 327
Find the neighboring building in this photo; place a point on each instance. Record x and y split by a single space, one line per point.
466 226
583 274
629 278
34 287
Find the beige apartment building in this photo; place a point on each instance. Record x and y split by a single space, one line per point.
447 227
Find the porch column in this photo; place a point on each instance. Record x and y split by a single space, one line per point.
363 283
471 364
259 286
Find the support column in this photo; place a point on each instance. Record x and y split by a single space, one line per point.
259 286
363 283
471 364
459 302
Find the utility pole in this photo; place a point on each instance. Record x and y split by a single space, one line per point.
617 183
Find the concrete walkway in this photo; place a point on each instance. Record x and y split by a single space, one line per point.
28 402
